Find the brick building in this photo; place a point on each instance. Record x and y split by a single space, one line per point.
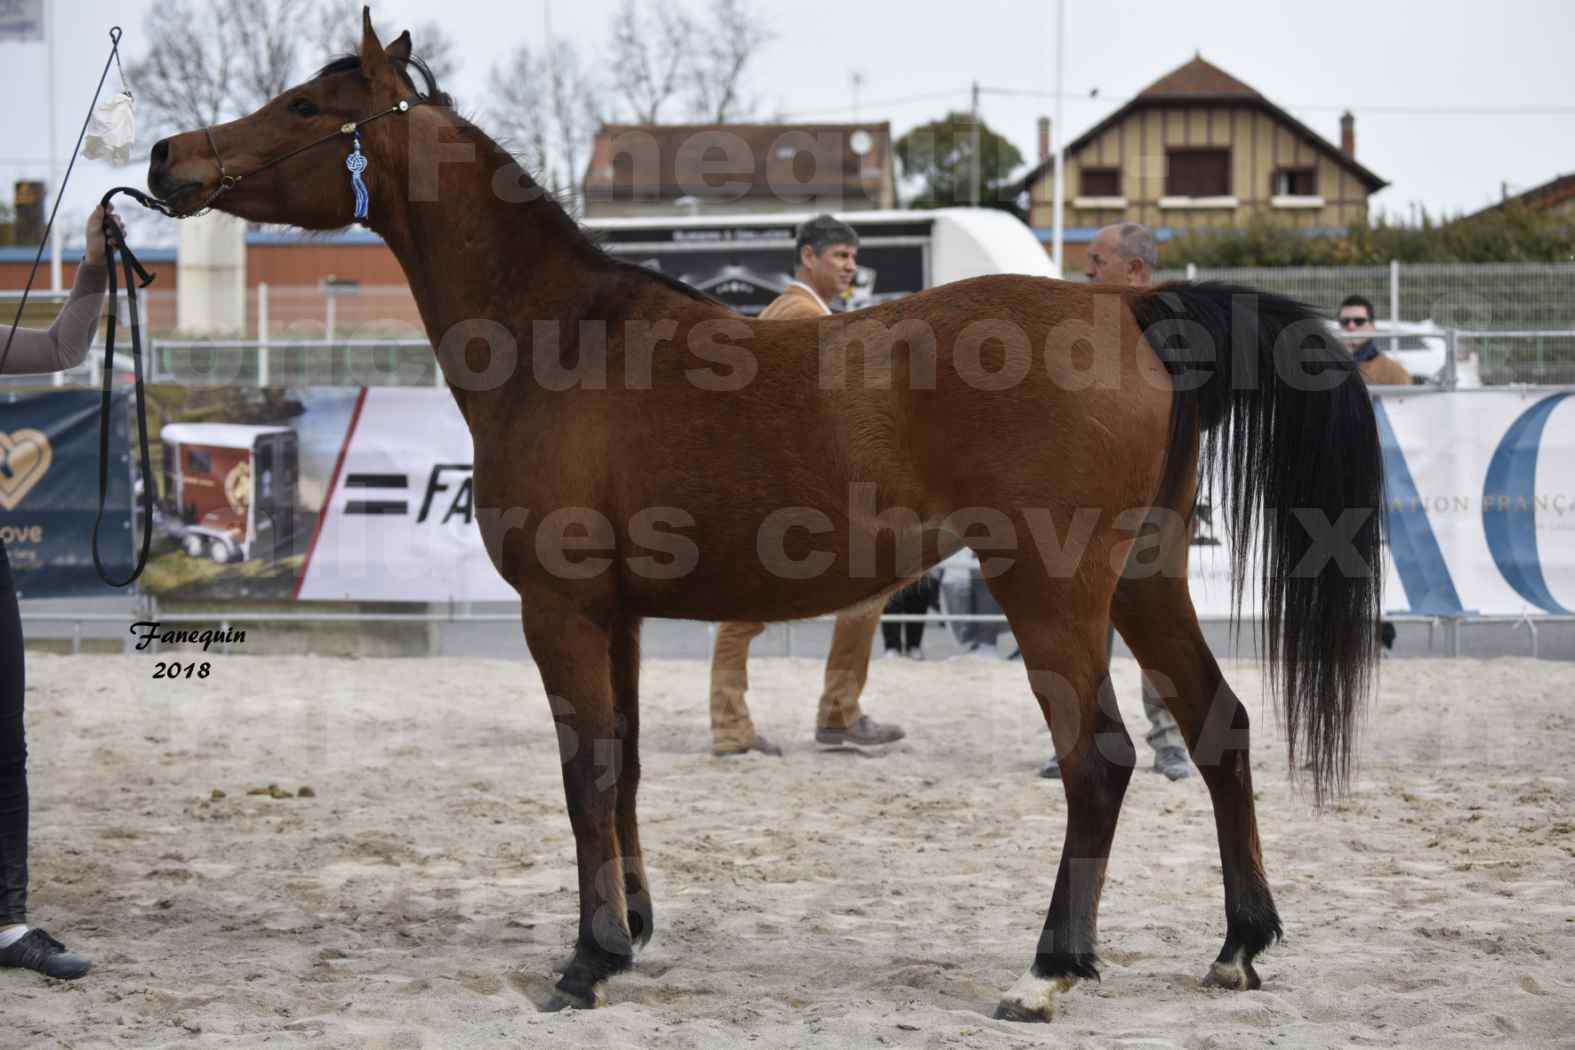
669 170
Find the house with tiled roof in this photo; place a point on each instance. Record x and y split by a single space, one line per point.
1199 148
671 170
1556 195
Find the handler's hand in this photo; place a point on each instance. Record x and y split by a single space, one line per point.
94 255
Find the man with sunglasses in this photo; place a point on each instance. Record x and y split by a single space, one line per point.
1356 326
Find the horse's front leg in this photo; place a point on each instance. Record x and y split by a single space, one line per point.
572 650
626 693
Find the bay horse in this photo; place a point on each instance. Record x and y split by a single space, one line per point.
641 450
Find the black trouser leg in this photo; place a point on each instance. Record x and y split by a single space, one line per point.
13 763
916 602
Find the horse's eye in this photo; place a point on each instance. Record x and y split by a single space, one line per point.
304 107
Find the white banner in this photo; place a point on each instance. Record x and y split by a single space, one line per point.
399 521
1480 502
1480 494
21 21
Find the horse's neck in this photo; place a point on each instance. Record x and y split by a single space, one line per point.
472 256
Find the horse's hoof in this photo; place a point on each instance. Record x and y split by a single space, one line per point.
1016 1012
569 998
580 988
1032 998
1235 975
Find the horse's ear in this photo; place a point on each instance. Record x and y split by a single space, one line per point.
399 50
372 56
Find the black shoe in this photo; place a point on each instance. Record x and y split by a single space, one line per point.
39 951
1051 770
864 732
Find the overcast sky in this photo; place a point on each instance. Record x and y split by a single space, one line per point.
1445 93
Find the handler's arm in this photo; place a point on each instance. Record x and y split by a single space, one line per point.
65 344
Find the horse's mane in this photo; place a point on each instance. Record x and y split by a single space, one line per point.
434 94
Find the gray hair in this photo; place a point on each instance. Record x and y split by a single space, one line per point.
1134 241
822 232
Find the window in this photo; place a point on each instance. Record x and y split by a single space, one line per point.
1295 182
1099 182
199 462
1198 173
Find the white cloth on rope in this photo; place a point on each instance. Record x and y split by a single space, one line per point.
111 130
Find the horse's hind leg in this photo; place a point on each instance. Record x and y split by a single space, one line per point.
1156 618
1060 626
626 696
572 650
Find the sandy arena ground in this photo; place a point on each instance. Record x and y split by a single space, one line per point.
425 895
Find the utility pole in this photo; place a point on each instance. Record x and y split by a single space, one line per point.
973 190
55 283
1059 131
547 52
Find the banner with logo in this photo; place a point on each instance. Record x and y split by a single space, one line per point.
399 520
1481 501
49 492
367 495
1480 506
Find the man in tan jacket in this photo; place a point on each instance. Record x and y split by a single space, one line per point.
827 260
1377 367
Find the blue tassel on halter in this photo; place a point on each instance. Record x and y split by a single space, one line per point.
356 162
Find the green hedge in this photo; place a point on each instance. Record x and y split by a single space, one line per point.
1513 233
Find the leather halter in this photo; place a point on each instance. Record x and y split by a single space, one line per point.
228 181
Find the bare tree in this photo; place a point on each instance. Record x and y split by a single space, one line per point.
267 46
662 56
547 112
732 38
187 79
651 55
340 26
578 109
213 61
519 108
440 51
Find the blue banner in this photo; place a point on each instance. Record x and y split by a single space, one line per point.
49 492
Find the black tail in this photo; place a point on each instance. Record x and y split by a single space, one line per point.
1287 423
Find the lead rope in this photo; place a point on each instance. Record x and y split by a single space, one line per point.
136 276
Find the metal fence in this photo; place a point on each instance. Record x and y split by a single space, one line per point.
1486 299
342 335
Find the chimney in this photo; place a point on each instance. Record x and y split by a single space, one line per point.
1348 134
1044 139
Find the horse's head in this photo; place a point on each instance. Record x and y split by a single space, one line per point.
285 163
